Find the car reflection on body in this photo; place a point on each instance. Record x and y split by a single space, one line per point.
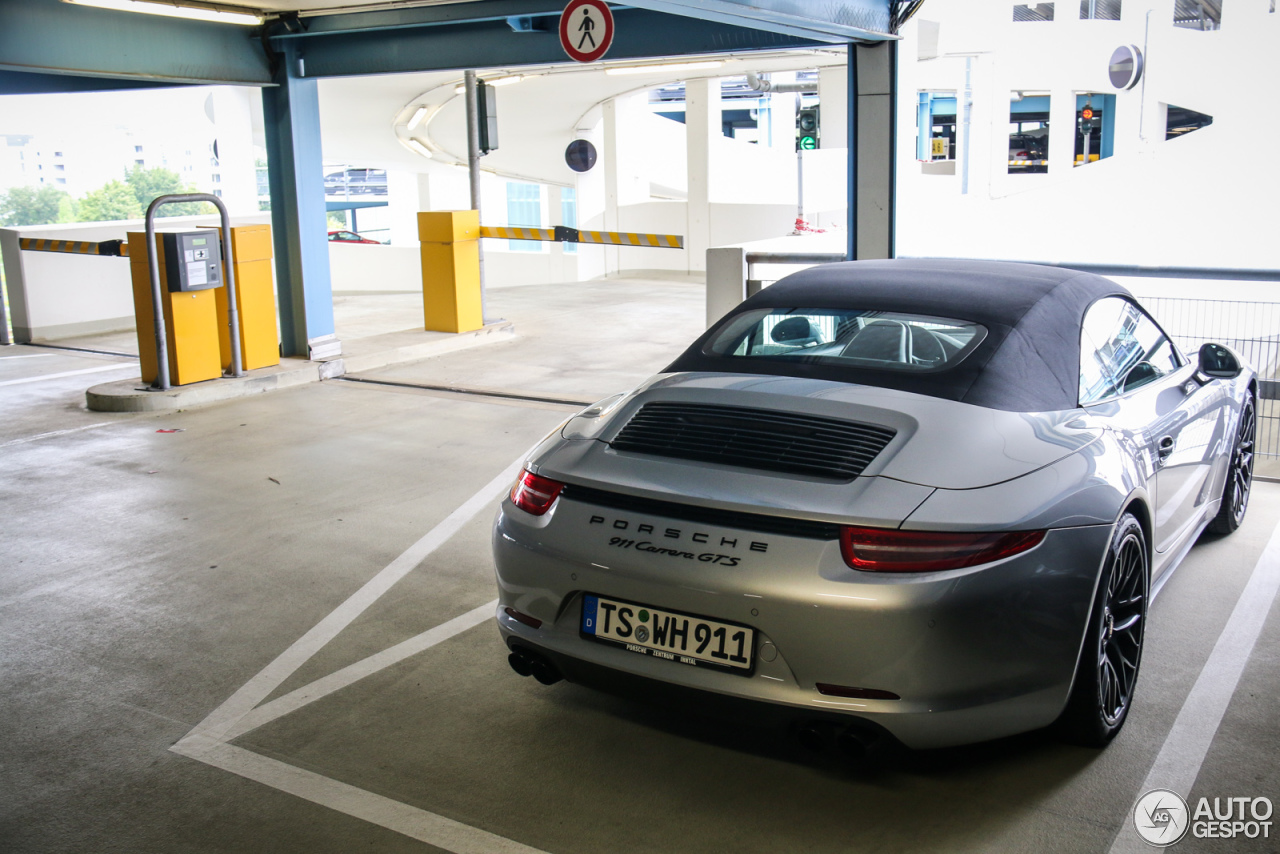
921 498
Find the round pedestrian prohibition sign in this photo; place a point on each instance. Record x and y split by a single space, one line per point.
1161 817
586 30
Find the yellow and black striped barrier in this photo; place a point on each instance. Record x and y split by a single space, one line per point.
111 248
564 234
1028 162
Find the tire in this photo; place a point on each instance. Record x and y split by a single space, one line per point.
1235 494
1107 672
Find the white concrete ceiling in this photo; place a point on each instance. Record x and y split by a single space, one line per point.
364 119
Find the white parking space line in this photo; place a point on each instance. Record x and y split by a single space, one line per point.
30 356
412 822
1178 763
207 742
295 700
133 366
53 433
222 719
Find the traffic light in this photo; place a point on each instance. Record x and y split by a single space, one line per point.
1086 120
808 132
487 115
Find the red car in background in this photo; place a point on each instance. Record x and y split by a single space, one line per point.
342 236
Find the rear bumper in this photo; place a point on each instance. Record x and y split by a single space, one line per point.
974 654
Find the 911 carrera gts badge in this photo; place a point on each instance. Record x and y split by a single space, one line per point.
646 534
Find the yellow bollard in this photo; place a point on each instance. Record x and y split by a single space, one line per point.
190 322
255 300
450 242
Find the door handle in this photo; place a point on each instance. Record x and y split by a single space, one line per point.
1164 447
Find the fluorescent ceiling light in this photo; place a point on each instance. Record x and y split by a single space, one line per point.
497 81
196 12
419 147
418 115
656 69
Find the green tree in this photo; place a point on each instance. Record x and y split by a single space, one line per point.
147 184
31 206
112 201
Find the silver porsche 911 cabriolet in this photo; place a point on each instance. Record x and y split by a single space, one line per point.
917 497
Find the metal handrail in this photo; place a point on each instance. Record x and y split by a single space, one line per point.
233 316
794 257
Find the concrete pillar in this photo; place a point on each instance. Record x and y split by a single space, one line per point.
702 129
871 156
782 114
555 217
612 165
291 113
237 174
16 287
1062 131
408 193
833 98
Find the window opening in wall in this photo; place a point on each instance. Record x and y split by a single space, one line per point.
1099 10
569 215
936 133
1095 127
524 208
1028 133
1182 121
1033 12
1197 14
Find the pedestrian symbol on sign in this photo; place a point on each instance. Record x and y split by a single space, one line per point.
585 28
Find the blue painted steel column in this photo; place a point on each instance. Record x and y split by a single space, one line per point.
291 110
852 172
1107 146
924 127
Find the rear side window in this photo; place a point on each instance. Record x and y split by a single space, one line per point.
1121 349
880 340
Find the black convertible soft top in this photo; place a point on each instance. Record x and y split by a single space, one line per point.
1028 362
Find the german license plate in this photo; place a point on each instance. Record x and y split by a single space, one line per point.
667 634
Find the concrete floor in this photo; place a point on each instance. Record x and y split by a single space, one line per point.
149 580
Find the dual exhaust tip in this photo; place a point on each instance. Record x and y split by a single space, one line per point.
858 744
526 662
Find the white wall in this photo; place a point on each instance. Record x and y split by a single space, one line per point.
729 224
55 295
1201 200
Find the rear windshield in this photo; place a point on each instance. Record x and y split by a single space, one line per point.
881 340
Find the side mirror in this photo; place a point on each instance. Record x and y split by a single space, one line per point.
1218 362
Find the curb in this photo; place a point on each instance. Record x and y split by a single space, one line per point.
366 354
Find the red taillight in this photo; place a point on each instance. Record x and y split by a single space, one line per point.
885 550
521 617
534 494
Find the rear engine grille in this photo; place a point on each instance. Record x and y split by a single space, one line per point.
754 438
806 528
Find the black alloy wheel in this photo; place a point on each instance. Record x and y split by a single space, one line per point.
1235 494
1107 673
1120 635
